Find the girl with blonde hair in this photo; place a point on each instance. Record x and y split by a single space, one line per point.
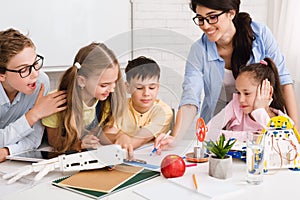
95 96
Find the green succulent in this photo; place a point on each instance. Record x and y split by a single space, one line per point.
220 147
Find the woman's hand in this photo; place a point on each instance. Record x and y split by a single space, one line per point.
162 143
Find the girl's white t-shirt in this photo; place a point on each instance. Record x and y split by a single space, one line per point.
228 87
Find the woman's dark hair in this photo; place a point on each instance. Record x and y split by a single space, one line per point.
267 70
244 36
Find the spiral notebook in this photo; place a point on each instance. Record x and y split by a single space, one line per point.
102 182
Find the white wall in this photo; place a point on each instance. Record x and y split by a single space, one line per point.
164 31
60 27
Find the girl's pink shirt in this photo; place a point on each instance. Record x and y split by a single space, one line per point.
236 123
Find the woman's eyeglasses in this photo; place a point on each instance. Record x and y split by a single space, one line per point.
211 19
26 71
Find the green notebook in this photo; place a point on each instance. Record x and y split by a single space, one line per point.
140 177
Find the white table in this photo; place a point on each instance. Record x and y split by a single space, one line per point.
278 184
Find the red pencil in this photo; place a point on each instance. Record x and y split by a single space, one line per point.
191 165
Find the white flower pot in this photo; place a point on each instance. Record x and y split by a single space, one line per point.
220 168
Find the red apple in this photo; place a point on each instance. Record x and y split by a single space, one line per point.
172 166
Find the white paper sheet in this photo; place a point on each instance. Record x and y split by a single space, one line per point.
143 153
183 187
168 190
208 186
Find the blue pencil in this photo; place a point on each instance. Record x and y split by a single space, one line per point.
155 149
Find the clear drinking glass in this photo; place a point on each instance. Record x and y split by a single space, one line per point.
255 157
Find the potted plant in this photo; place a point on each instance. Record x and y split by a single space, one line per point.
220 164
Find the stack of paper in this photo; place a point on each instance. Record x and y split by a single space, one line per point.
102 180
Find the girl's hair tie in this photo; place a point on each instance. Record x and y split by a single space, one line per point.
263 62
77 65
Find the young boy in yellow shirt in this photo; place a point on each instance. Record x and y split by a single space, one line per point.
147 116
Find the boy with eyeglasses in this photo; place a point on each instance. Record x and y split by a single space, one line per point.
147 116
22 90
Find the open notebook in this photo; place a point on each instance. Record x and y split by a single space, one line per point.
102 182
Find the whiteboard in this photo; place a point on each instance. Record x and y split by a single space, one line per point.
59 28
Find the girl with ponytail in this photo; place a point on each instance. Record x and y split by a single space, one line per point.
258 98
95 96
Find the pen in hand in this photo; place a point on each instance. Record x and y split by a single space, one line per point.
155 148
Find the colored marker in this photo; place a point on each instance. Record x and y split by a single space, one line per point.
155 149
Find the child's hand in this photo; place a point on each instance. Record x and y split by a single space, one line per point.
162 144
90 141
3 153
126 143
51 103
46 105
263 97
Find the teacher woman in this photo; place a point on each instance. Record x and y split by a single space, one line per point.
230 39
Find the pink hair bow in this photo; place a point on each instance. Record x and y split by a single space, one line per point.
263 62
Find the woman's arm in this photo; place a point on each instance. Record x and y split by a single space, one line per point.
184 118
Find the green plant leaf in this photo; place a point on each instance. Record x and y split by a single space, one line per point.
219 148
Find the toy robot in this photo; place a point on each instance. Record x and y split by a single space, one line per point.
281 144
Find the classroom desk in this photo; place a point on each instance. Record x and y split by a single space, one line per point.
278 184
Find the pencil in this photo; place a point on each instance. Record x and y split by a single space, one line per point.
155 148
191 165
195 181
